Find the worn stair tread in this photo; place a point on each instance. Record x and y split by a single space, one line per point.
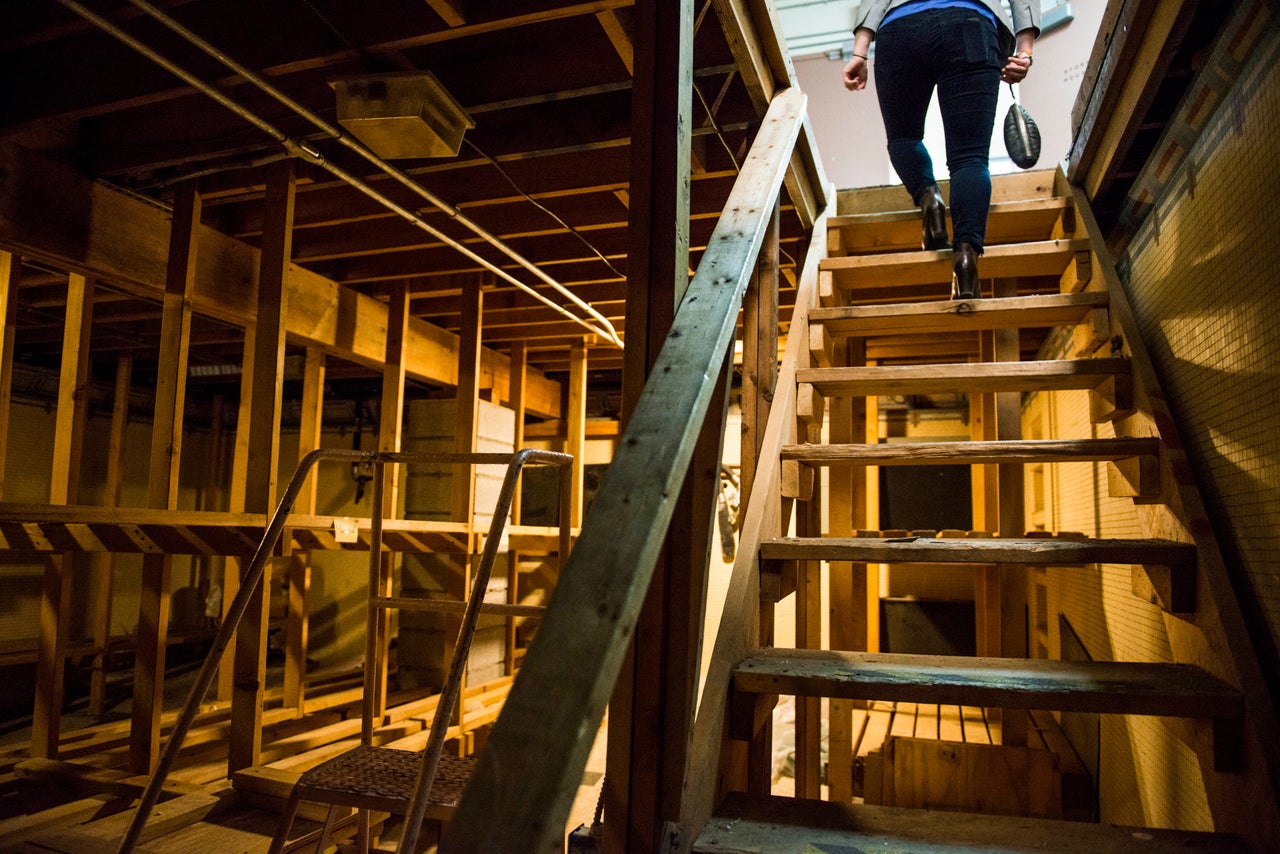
1111 687
937 316
1037 551
1047 375
973 452
768 823
1040 258
1007 222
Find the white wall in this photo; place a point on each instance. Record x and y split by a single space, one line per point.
850 132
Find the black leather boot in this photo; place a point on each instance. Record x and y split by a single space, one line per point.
933 213
964 279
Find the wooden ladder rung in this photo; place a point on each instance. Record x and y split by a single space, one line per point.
969 377
938 316
974 452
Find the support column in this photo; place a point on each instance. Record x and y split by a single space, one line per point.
576 425
250 663
516 398
652 707
299 572
10 273
68 446
103 577
234 566
162 490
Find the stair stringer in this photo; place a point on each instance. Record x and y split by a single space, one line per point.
717 763
1216 636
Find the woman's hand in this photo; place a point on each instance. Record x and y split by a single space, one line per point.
855 74
1015 70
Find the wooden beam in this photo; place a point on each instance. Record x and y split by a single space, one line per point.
759 356
162 487
236 501
534 758
299 572
619 36
10 274
576 421
245 742
68 447
453 12
98 220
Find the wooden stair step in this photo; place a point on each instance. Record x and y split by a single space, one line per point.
944 315
1007 222
1035 551
1042 258
1103 687
974 452
798 826
972 377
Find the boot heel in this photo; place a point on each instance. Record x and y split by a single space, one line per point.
933 215
964 278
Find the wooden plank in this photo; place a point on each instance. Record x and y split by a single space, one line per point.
576 441
788 826
939 316
989 779
1135 688
601 589
453 12
619 36
1022 221
68 447
10 275
1038 551
759 358
966 453
1042 258
250 658
964 377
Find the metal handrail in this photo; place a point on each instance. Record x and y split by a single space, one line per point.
257 566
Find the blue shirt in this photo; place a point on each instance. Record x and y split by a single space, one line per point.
921 5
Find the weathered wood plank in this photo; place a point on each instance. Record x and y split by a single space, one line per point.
1114 687
966 453
549 734
970 377
940 316
892 231
1041 552
1042 258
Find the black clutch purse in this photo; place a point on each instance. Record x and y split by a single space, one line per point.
1021 136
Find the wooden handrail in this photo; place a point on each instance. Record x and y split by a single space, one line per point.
529 771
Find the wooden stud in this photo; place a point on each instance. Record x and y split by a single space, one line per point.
298 577
236 501
162 490
1112 400
103 575
515 396
68 447
810 406
452 11
1135 477
760 360
250 663
821 346
1078 274
619 36
576 418
10 273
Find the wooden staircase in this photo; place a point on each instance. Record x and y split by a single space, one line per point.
882 327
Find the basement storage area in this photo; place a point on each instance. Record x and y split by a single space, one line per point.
456 425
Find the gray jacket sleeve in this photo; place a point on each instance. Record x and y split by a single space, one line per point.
873 13
1026 15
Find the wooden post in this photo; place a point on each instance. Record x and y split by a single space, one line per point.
576 424
1012 496
162 489
299 572
986 512
10 273
640 795
466 429
759 355
516 397
68 446
104 564
250 662
236 501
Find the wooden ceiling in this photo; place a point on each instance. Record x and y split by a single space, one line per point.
545 169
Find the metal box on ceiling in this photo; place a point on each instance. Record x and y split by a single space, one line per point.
402 115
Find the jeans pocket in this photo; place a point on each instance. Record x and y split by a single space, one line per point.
979 44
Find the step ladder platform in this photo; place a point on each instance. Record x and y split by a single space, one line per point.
1037 551
946 315
759 823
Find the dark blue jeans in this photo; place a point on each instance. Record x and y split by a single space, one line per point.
957 51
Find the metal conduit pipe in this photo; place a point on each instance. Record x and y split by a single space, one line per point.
311 155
